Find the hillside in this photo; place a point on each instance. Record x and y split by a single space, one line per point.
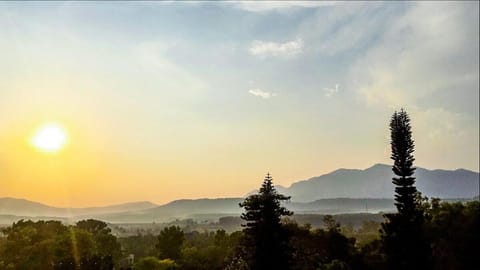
22 207
208 209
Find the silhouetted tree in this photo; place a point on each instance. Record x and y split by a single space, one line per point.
266 240
403 235
402 154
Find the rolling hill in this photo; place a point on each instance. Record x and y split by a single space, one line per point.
22 207
215 208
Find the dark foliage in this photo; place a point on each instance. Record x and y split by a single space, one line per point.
141 245
53 245
266 243
402 155
170 243
322 249
405 243
452 228
454 231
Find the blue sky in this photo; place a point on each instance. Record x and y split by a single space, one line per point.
208 91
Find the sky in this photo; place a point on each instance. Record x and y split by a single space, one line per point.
169 100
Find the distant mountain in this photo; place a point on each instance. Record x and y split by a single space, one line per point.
22 207
199 209
215 208
375 182
342 191
342 205
178 209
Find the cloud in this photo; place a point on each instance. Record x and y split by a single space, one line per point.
264 49
267 6
431 48
329 92
152 58
345 28
263 94
427 61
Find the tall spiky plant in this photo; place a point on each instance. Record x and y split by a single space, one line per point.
404 240
402 154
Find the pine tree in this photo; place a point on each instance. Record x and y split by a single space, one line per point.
265 245
402 154
405 244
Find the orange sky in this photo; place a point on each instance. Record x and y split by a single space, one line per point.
164 101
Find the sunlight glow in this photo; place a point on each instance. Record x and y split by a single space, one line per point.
50 138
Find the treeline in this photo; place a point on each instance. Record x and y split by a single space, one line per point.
453 229
52 245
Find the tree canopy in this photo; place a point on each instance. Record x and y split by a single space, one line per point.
266 241
53 245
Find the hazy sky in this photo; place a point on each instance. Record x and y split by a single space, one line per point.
186 100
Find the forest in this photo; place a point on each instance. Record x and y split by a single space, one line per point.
424 233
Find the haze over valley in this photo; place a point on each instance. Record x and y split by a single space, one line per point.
341 191
239 135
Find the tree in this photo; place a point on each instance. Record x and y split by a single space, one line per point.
52 245
403 235
93 226
207 250
266 240
31 245
170 243
454 229
402 154
106 245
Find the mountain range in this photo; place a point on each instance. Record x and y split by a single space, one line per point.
341 191
376 182
22 207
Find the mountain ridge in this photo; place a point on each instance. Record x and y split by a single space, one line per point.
375 182
341 191
24 207
375 166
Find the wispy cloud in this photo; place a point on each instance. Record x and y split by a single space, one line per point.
264 49
408 70
153 56
424 62
329 92
345 27
260 93
266 6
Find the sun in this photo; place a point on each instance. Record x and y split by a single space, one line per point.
50 138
